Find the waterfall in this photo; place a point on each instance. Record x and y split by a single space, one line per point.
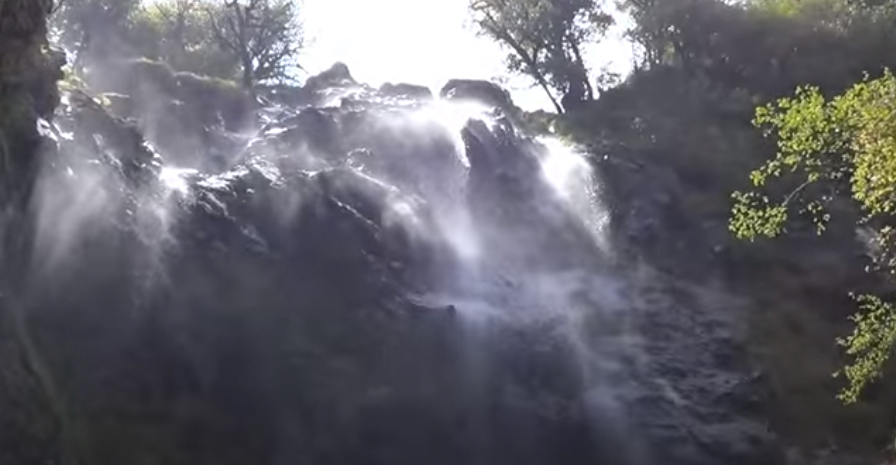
352 277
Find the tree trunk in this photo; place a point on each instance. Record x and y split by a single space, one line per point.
247 75
527 58
547 90
581 70
533 71
245 56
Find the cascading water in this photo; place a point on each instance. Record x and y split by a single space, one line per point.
371 279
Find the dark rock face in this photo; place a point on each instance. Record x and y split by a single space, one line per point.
29 431
364 283
268 313
314 127
184 115
692 347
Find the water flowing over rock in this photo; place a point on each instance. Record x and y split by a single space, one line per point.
346 275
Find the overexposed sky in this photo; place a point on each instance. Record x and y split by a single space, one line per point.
422 42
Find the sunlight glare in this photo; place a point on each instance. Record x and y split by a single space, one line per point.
453 116
563 168
175 179
427 43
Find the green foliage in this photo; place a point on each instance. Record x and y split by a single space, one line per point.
256 41
753 217
844 14
846 142
824 10
769 47
842 147
179 32
545 39
870 344
264 35
674 32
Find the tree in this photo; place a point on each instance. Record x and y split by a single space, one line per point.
179 33
768 47
545 39
265 36
697 35
254 40
829 150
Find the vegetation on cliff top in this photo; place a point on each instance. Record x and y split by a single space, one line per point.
251 41
545 40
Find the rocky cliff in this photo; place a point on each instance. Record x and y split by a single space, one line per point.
342 274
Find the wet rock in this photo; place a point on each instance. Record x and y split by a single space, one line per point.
499 162
177 112
286 288
320 130
106 134
337 75
484 92
404 90
287 95
215 101
119 104
308 137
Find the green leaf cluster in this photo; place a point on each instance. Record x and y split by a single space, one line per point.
828 149
256 41
870 344
179 32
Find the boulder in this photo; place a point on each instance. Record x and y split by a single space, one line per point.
314 128
337 75
406 90
484 92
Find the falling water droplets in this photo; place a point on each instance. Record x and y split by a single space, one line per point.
567 170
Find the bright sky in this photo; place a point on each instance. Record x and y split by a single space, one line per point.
421 42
